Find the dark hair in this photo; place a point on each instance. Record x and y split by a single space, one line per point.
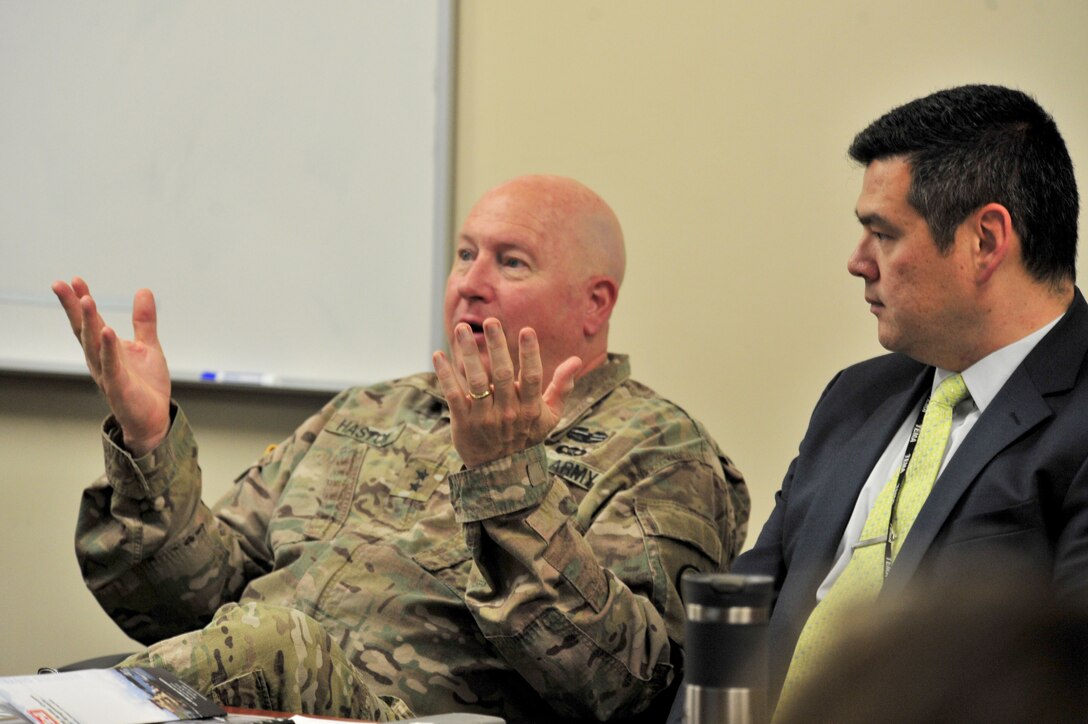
977 144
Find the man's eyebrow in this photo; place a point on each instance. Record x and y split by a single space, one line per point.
501 245
875 219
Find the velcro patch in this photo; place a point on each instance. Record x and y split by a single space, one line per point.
585 435
574 472
347 427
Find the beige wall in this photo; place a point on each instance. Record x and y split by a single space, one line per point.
717 131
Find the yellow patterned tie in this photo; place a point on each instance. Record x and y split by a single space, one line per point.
863 576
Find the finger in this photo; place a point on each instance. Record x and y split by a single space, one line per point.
530 368
113 371
145 318
475 374
502 367
91 333
555 397
79 285
69 300
457 363
448 382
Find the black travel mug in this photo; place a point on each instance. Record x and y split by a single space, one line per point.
726 648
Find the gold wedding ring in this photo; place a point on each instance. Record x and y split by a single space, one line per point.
479 395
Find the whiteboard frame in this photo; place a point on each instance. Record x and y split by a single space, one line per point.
442 223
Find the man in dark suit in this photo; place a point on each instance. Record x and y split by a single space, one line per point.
969 212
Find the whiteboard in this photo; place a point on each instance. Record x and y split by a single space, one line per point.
276 172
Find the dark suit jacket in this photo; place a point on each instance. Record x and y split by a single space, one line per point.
1018 484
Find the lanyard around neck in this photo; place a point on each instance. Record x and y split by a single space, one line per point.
899 480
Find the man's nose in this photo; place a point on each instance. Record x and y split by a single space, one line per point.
476 282
860 264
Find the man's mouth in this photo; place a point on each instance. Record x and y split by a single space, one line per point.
476 327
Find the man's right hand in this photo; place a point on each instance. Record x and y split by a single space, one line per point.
131 373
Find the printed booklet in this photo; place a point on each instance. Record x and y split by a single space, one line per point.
102 696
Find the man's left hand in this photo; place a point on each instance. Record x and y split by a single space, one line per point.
496 417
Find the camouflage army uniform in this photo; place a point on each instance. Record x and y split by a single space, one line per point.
542 582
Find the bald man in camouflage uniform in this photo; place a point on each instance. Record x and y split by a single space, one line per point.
468 540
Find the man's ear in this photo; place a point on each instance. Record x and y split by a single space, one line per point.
994 239
601 293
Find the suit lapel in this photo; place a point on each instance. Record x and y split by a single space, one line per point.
824 526
1049 369
836 489
1018 408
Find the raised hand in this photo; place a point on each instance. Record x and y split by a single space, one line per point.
131 373
495 415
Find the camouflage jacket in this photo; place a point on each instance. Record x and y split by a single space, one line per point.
548 579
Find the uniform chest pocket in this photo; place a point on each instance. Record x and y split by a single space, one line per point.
323 492
334 504
318 497
404 479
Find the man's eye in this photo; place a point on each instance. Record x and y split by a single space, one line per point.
464 254
513 262
880 237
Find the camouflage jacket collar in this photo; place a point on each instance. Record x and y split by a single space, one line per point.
593 387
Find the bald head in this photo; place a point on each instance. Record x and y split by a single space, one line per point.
579 221
539 252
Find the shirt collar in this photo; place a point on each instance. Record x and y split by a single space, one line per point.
594 385
985 378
